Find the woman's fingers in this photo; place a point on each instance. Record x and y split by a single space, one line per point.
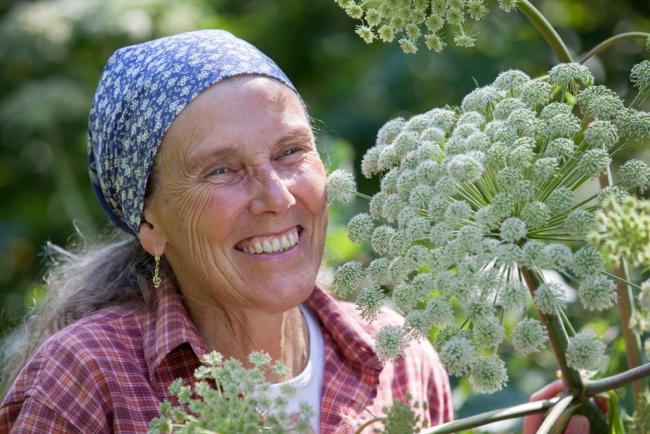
533 422
548 391
578 425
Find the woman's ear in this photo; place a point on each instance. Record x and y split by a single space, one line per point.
151 236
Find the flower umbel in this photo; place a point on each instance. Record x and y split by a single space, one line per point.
475 197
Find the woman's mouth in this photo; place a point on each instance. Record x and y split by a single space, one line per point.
271 244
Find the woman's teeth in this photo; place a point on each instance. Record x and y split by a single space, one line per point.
272 244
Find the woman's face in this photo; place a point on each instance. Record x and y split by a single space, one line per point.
239 199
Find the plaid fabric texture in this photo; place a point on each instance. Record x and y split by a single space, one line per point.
110 371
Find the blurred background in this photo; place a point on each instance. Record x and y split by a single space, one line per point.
52 53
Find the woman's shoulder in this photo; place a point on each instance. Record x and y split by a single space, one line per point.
81 352
104 329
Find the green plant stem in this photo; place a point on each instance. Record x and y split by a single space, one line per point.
367 423
546 29
626 310
618 380
492 416
621 279
563 420
555 415
558 405
559 342
557 336
611 41
363 196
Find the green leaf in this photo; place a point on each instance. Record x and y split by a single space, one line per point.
614 415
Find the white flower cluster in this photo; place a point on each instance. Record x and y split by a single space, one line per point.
241 402
412 20
474 197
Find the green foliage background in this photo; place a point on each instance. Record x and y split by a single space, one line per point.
52 52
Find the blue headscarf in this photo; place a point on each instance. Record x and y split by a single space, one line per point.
141 91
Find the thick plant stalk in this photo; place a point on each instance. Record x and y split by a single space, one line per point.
546 29
588 409
559 342
626 310
555 421
492 416
618 380
558 338
610 41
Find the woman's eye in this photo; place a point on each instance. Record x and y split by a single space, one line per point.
220 171
290 151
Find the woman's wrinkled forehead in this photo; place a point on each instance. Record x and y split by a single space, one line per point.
142 90
231 115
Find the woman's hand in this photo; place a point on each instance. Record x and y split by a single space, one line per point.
577 425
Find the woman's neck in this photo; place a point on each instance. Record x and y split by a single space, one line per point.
284 336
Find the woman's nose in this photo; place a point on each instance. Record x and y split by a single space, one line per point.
272 193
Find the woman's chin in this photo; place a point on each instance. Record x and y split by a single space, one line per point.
277 297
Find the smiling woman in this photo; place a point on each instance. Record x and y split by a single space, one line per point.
201 151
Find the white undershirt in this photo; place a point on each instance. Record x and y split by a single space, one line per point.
308 383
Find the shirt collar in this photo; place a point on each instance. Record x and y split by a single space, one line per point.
169 326
355 342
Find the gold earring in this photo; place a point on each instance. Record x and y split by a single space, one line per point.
156 273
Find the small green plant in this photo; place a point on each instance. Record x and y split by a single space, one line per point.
409 21
227 398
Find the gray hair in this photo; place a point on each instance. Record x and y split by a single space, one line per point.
79 282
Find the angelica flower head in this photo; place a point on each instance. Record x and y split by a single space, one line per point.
513 296
622 230
511 80
502 111
536 93
585 352
601 134
587 261
387 133
458 355
528 336
560 148
360 228
579 222
488 333
393 204
549 298
634 174
440 311
341 186
513 229
465 169
535 214
378 271
481 98
348 278
476 196
389 343
566 73
600 102
488 374
369 302
640 76
597 292
370 162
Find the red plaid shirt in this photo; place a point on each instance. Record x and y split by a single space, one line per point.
110 371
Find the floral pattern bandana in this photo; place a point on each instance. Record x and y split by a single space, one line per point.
141 91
